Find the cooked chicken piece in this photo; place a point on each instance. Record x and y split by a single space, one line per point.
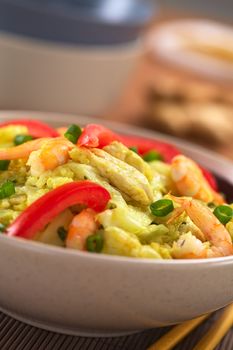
83 171
122 175
118 150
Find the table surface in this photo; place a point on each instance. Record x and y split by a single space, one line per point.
15 335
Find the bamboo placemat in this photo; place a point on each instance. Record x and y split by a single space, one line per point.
15 335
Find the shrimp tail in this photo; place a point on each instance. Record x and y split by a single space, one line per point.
22 151
175 214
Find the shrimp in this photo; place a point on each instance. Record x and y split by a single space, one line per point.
53 153
22 151
82 226
210 226
190 181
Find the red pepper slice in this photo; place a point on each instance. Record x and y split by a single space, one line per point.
145 145
210 178
95 135
44 209
36 128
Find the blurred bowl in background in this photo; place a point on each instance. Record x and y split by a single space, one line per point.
68 56
50 77
202 46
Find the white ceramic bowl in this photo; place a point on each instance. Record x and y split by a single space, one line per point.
90 294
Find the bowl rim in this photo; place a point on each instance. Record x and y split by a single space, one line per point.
39 247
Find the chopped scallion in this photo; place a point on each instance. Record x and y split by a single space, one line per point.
20 139
224 213
73 133
7 189
62 233
4 164
95 243
152 155
2 228
134 149
162 207
211 205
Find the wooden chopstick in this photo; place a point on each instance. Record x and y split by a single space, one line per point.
176 334
213 337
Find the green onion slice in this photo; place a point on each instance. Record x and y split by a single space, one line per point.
19 139
134 149
4 164
211 205
62 233
224 213
7 189
95 243
73 133
2 227
162 207
152 155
